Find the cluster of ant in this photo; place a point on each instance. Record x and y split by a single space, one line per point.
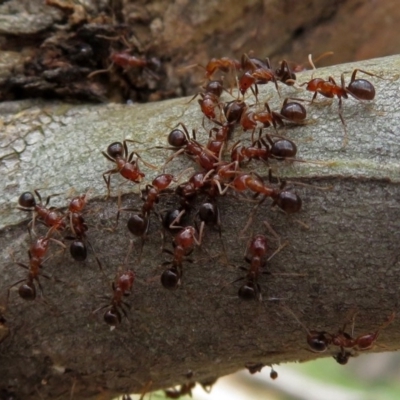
215 176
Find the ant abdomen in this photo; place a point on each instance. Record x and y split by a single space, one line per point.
112 317
318 341
177 138
115 149
283 148
27 291
362 89
288 201
294 111
138 225
170 278
78 250
27 200
247 292
208 213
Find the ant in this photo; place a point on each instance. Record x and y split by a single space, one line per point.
37 251
185 389
252 65
122 286
210 98
360 89
181 139
255 256
286 200
362 342
117 152
183 243
279 149
49 216
221 136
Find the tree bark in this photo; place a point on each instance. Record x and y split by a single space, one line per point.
346 262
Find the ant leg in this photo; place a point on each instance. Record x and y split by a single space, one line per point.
345 138
177 219
108 179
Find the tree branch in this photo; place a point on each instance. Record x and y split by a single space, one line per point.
346 262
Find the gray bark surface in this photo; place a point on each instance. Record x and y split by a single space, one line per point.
346 262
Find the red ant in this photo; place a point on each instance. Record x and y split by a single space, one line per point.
279 149
360 89
49 216
256 72
36 253
178 138
183 242
362 342
286 200
210 98
185 389
223 64
117 152
256 253
121 287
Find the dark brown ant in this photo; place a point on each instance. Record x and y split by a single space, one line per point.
183 242
121 287
117 152
37 252
51 217
218 137
185 389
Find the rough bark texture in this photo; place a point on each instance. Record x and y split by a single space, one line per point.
347 261
50 50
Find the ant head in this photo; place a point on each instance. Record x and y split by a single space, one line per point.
248 291
138 225
115 149
318 341
215 87
27 291
112 317
289 202
171 278
27 200
177 138
78 250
